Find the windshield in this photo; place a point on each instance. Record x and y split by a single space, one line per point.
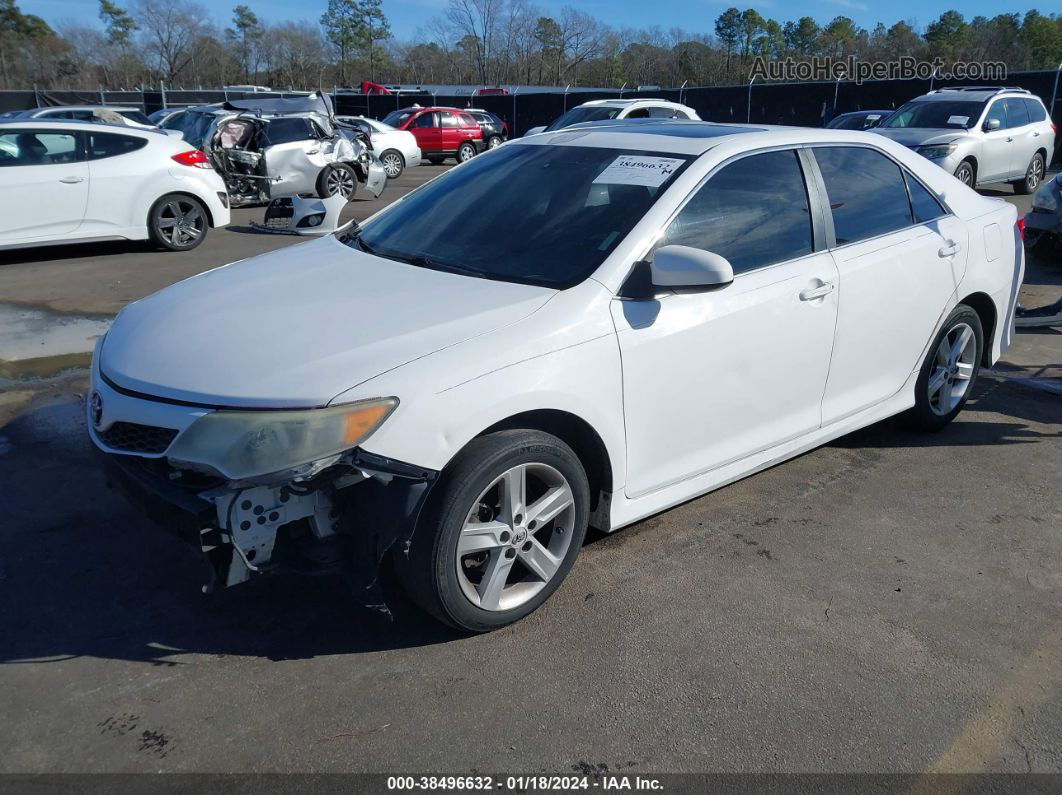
576 205
581 114
397 118
936 115
857 121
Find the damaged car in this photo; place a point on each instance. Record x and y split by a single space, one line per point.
465 384
265 148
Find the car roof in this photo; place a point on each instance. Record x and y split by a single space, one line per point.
74 124
625 103
973 93
689 137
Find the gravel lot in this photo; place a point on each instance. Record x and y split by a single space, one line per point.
889 602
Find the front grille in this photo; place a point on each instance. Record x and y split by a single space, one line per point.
130 437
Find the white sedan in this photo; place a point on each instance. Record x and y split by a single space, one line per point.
67 181
465 383
397 149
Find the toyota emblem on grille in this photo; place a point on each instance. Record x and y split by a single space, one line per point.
96 408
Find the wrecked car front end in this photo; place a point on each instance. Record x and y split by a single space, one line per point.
261 492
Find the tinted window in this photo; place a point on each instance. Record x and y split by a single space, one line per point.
286 130
581 114
936 114
397 118
570 216
38 148
464 120
135 115
754 212
449 120
679 114
111 144
866 192
426 120
1017 113
923 203
638 113
1036 110
998 111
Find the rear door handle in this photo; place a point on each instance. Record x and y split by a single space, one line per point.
1036 135
949 249
72 180
811 293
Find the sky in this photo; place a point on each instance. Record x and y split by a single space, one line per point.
406 16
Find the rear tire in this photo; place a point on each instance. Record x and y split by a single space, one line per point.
178 222
465 152
949 371
1034 175
393 163
480 559
337 179
436 161
494 142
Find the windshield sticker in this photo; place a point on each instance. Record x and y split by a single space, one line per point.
873 116
960 120
652 172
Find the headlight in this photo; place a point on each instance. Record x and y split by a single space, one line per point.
246 444
936 151
1046 199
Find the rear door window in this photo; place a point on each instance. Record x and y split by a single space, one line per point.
753 211
426 120
866 192
287 130
1017 112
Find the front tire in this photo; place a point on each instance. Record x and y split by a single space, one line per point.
965 173
337 180
505 526
949 371
393 163
1034 175
178 222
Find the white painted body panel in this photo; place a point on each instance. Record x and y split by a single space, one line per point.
715 386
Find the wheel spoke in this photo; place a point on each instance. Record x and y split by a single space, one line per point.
539 560
550 505
167 223
175 209
940 377
480 536
960 343
494 579
514 489
963 371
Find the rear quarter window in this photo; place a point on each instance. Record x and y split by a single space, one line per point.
103 145
1037 112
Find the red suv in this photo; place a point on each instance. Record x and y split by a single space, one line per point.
440 132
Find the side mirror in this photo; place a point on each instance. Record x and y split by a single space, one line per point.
990 124
686 267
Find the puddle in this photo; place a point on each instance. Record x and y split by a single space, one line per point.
38 344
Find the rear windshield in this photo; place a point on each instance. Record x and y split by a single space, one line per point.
936 114
581 114
576 205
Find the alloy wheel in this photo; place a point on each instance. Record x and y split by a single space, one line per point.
494 143
340 182
515 537
181 222
965 174
953 368
464 154
392 165
1036 173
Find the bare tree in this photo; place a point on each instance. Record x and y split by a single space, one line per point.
169 33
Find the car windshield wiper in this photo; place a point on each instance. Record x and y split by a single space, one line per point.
422 261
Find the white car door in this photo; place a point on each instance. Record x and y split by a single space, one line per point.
997 146
714 376
119 165
294 156
1024 140
43 183
899 257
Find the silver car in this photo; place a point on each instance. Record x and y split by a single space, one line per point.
978 134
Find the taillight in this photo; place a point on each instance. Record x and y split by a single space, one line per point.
1054 128
1021 227
194 158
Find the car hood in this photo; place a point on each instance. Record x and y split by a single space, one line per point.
296 327
915 136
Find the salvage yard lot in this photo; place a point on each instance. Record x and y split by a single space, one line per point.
889 602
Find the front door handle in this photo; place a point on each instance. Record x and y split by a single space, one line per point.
1036 135
72 180
1009 140
949 249
811 293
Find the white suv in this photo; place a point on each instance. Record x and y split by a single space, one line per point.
979 134
610 109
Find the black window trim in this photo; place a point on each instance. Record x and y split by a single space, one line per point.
80 142
906 172
821 228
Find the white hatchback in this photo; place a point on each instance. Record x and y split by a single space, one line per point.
64 181
466 383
